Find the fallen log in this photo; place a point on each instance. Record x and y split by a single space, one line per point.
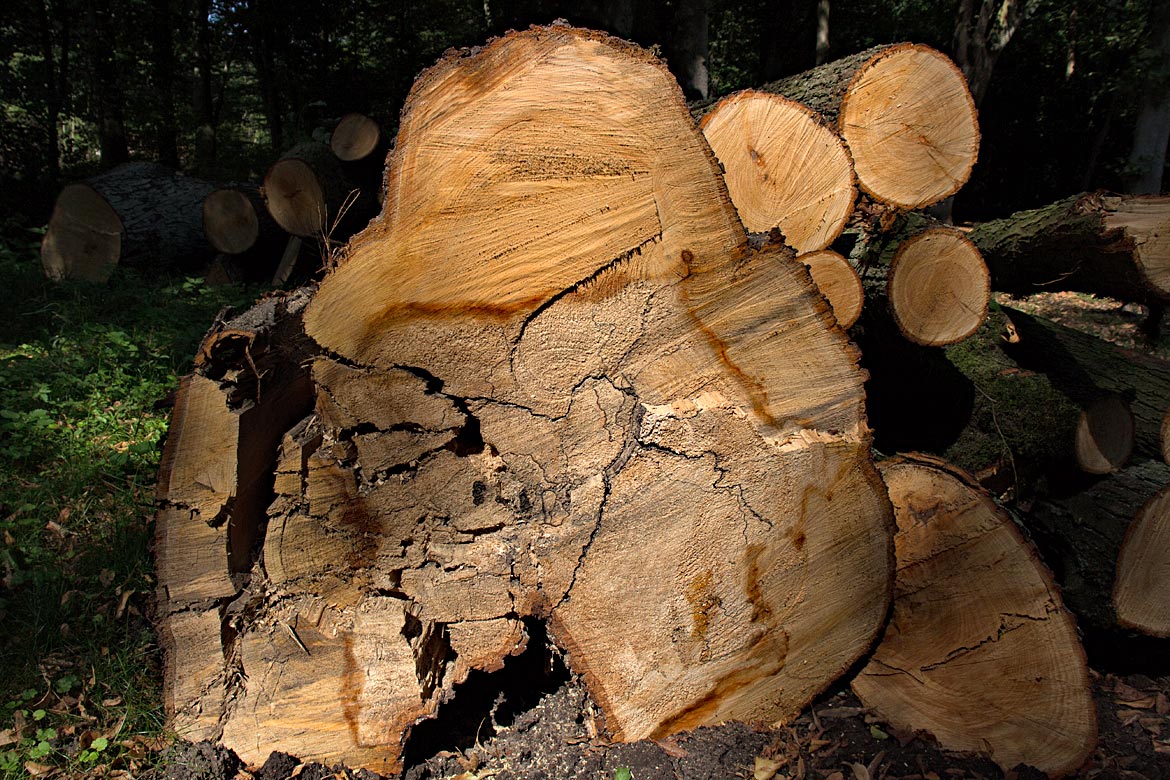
784 168
355 138
1141 591
552 353
309 195
136 214
235 220
1100 243
906 115
979 652
838 282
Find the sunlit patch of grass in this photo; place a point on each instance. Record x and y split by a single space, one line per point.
85 372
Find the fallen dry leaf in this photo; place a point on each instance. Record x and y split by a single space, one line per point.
835 776
860 772
766 768
1144 703
7 737
37 770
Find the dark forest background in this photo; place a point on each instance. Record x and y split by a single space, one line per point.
219 88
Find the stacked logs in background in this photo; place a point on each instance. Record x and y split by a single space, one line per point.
555 386
147 215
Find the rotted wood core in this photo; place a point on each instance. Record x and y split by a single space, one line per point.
838 281
1141 592
980 651
938 287
355 137
1105 435
553 352
784 168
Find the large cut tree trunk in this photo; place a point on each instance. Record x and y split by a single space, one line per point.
980 651
784 168
906 115
1115 245
139 214
554 385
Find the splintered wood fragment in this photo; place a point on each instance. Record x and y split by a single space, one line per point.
554 353
1105 435
1096 242
938 287
838 282
906 114
355 137
1141 592
138 214
784 168
979 651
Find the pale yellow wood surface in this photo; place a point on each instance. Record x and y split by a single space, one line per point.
980 651
1145 220
838 282
1141 592
911 126
784 168
295 198
938 287
84 236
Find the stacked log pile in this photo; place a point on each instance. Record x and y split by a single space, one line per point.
558 391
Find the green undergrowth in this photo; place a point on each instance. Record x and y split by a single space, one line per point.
85 376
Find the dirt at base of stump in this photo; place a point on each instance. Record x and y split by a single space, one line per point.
835 739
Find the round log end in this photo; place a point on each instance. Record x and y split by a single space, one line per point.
295 197
838 282
911 125
1105 435
355 137
230 222
84 236
1145 219
1141 591
783 168
938 288
980 651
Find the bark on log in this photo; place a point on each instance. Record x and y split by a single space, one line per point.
235 220
1113 245
138 214
1141 592
309 195
906 114
980 651
553 352
938 287
784 168
838 282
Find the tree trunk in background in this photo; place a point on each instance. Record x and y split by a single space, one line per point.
785 27
687 54
980 38
1147 159
822 31
618 16
52 93
163 40
265 62
111 126
201 98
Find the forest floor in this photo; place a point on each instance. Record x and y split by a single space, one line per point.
84 378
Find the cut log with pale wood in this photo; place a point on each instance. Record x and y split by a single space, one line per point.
784 168
355 137
938 287
1105 435
838 282
906 114
139 214
1101 243
555 385
979 652
235 220
309 195
1141 592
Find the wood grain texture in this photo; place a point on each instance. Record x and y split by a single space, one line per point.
938 287
838 282
1141 592
980 651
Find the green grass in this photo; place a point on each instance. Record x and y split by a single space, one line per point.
85 372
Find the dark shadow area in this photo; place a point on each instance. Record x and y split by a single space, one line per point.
487 700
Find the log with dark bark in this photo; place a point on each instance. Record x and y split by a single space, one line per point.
309 195
1113 245
979 652
1141 591
784 168
555 385
138 214
906 114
